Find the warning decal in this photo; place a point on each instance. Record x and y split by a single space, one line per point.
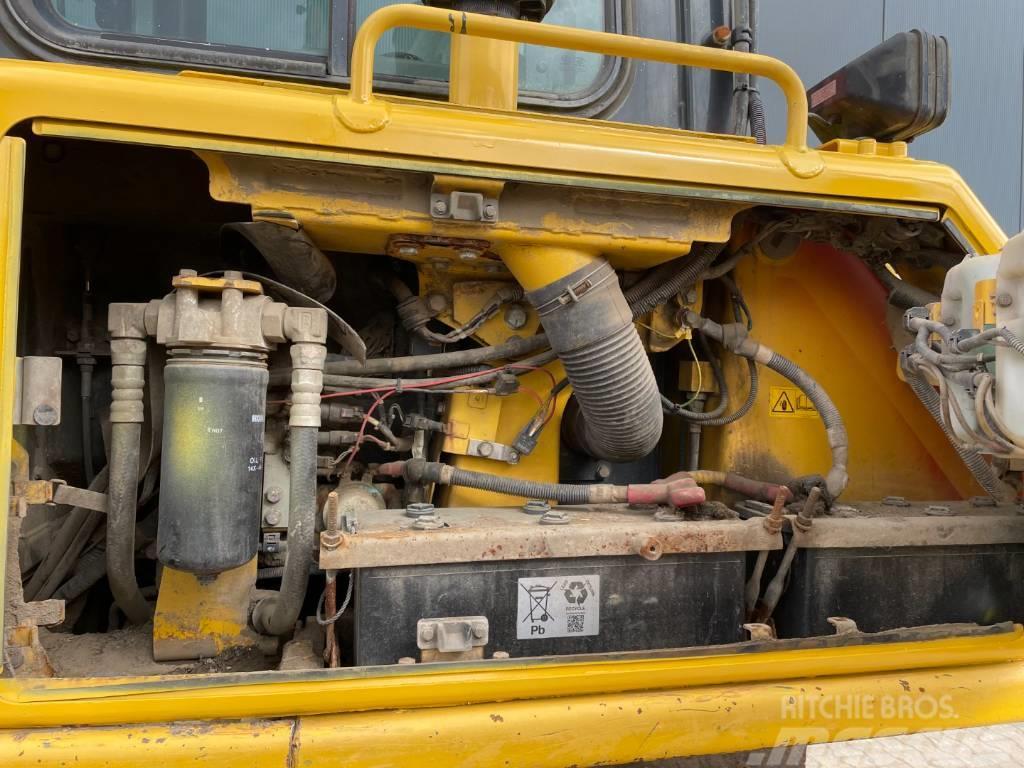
790 402
558 606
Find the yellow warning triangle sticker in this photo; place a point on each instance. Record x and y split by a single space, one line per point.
783 404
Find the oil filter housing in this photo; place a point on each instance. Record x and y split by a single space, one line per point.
212 459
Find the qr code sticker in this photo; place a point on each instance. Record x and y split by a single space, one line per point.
574 623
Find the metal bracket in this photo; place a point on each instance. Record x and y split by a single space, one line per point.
463 206
37 391
843 625
451 638
59 492
488 449
760 631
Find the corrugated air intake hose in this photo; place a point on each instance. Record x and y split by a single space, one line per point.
590 326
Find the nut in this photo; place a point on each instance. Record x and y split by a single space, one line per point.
45 415
485 449
536 507
429 522
272 517
516 317
479 631
272 494
419 509
427 633
490 211
440 208
331 540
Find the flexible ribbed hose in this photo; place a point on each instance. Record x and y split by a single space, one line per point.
837 478
277 614
973 460
528 489
590 327
669 279
618 396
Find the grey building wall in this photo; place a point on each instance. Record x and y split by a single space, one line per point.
982 136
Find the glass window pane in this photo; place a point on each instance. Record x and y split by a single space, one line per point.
297 26
412 53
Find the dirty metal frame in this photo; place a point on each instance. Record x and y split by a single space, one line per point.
637 708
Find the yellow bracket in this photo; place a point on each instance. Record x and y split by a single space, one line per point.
365 113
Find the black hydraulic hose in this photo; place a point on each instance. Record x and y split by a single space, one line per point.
670 278
511 349
277 614
85 367
528 489
735 337
122 500
720 421
973 460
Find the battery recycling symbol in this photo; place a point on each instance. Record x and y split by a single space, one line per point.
539 596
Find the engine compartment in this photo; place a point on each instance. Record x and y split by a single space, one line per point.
370 429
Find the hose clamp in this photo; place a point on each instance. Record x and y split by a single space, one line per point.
579 290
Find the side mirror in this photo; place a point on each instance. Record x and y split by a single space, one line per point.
894 92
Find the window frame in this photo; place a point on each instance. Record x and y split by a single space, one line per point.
44 34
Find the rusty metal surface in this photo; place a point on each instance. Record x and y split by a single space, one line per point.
913 530
37 391
485 534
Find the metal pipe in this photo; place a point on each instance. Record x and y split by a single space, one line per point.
682 54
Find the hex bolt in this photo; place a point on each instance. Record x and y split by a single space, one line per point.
490 211
602 470
479 631
419 509
536 507
773 522
272 517
721 35
408 251
272 494
437 302
554 517
1004 299
485 449
427 633
691 296
331 537
805 516
516 317
440 208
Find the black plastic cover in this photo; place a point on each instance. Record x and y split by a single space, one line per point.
894 92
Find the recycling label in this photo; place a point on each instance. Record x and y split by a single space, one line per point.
558 606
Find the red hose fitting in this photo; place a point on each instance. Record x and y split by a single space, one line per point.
679 492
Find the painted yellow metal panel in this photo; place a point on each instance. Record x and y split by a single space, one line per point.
12 177
54 703
559 732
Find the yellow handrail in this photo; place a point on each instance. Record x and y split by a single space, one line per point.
493 27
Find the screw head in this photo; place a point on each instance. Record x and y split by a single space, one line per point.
479 631
603 470
490 211
440 208
272 517
272 494
485 449
516 317
427 633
